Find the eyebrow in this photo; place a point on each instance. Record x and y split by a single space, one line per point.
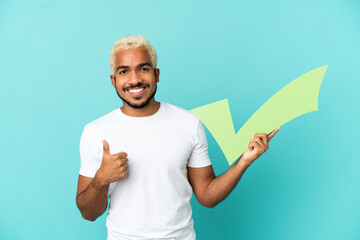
120 67
140 65
144 64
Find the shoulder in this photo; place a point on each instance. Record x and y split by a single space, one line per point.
183 120
180 113
102 122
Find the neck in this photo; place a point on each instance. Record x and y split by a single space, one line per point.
151 108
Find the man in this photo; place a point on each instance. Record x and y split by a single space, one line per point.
149 156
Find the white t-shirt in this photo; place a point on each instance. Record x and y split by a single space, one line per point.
153 200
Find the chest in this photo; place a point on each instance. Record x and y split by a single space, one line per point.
156 145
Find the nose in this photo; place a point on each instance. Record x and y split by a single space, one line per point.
134 78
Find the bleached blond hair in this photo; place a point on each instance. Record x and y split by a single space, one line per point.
129 42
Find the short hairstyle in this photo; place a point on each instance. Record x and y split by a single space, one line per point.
129 42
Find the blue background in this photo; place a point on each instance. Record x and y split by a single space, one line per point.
54 60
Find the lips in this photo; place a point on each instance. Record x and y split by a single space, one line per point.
136 92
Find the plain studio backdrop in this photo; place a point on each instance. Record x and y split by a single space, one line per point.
54 72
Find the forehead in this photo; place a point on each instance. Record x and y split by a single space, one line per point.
132 57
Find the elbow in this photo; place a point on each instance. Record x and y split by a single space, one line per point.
88 217
207 201
211 205
88 213
208 204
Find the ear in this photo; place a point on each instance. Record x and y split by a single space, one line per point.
157 74
113 80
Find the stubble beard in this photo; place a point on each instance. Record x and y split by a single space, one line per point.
138 106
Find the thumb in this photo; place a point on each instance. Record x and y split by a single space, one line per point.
272 134
106 148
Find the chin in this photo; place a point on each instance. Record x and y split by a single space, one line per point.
138 105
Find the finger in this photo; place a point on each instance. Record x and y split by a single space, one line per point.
258 140
255 146
272 134
251 143
125 168
260 135
263 137
124 161
106 147
260 144
121 154
123 173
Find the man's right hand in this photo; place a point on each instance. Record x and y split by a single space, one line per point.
114 167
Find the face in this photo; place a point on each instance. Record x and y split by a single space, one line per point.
135 80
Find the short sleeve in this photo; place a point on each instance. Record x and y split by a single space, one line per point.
90 153
199 156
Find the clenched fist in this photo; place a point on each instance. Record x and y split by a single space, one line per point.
114 167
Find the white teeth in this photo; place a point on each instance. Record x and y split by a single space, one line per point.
136 90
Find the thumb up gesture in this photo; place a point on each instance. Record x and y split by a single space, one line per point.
114 167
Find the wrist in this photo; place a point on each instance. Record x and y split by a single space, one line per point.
99 180
244 163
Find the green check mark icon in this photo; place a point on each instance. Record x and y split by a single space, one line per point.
297 98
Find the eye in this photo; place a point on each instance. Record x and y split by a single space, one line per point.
144 69
122 72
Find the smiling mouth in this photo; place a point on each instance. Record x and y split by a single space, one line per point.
136 92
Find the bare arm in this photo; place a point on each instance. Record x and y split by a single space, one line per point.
211 190
91 197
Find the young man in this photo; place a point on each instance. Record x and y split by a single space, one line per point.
149 156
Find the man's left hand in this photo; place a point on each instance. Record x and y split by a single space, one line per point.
257 146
